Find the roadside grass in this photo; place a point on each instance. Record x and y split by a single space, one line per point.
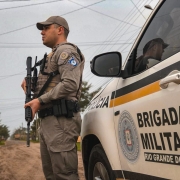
34 141
78 144
2 143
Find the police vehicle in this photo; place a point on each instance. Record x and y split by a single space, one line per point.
131 128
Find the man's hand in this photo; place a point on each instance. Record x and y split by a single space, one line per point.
35 105
23 85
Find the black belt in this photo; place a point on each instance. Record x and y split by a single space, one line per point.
60 107
45 112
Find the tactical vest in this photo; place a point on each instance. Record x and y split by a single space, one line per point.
50 67
43 78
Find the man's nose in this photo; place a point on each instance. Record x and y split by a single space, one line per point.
42 32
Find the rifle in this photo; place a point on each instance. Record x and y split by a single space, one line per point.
30 85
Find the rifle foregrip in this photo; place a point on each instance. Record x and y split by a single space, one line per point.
28 114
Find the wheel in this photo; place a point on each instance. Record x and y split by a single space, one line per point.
99 167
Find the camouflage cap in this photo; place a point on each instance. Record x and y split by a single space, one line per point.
53 20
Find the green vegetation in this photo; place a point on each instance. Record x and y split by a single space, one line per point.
78 144
19 134
32 141
2 143
4 132
86 96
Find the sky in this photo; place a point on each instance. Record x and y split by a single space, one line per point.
96 26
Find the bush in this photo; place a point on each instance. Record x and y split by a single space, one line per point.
2 143
78 146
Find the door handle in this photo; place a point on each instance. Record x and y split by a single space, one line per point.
174 77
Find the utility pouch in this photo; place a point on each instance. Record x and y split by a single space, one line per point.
62 107
70 108
59 107
76 107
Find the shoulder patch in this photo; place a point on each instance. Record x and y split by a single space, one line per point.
72 61
64 55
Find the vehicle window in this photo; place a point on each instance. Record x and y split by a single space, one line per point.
162 38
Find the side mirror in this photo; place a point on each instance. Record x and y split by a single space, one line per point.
107 64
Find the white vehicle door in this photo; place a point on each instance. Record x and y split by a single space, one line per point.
147 102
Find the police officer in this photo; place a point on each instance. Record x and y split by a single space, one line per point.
152 54
57 104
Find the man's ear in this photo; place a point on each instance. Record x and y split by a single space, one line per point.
60 30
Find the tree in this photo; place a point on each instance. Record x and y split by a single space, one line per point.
86 96
4 132
19 133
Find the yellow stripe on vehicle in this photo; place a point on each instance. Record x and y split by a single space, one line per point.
144 91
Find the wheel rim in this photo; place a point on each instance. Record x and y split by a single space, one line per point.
100 172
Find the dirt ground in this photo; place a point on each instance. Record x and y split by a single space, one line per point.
18 162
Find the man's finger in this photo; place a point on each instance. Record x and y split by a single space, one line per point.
23 85
26 105
33 114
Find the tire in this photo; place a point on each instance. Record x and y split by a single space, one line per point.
99 167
